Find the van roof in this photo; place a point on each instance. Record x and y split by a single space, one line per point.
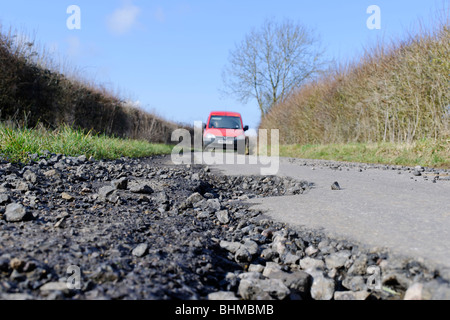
225 113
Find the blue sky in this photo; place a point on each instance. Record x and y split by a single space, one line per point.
169 55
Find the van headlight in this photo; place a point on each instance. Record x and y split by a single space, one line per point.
210 136
241 137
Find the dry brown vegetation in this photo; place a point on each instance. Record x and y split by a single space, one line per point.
395 93
31 92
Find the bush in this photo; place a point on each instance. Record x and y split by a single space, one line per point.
394 93
31 92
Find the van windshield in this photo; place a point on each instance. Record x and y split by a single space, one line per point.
225 122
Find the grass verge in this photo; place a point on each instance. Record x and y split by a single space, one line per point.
427 153
17 144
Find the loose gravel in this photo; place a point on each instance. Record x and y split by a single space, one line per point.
75 228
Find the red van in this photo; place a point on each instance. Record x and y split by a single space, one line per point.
225 130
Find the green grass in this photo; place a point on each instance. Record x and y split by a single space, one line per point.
428 153
17 144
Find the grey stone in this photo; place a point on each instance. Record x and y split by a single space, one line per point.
194 198
67 196
338 259
419 168
354 283
267 233
222 295
290 258
82 158
222 216
121 184
161 198
140 250
417 173
299 281
106 193
16 213
256 268
263 289
311 250
230 246
335 186
60 223
278 244
251 246
359 266
213 204
203 215
327 250
4 198
22 186
271 267
414 292
30 176
311 264
243 255
250 275
350 295
322 288
54 286
60 165
51 173
140 187
268 254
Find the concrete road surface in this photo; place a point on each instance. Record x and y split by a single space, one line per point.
379 208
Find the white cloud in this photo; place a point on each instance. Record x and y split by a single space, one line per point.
123 19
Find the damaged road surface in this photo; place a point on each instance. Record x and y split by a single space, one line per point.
147 229
404 209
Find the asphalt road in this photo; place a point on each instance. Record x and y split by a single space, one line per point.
375 207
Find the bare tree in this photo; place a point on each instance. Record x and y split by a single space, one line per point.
270 62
